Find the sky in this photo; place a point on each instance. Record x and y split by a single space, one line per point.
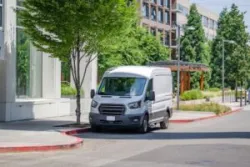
218 5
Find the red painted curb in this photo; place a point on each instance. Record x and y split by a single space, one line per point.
76 131
77 143
205 118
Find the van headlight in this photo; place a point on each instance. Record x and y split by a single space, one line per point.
94 104
135 105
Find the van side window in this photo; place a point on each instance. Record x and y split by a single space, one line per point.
150 87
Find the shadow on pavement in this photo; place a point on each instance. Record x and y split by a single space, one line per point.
126 135
35 125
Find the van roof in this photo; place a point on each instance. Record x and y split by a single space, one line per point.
144 71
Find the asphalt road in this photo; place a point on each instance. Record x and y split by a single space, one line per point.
220 142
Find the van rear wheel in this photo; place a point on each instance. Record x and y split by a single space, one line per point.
164 124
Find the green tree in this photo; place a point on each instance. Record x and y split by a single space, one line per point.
231 26
193 45
76 30
138 48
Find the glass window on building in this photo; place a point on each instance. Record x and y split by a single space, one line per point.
215 25
167 17
153 13
1 14
145 10
153 31
160 15
28 65
154 1
211 23
205 21
160 34
167 3
167 38
161 2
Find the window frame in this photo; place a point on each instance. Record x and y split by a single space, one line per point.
150 87
2 14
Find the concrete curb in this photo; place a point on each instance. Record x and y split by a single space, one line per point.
205 118
43 148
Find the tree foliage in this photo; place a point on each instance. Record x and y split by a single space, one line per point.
138 48
194 47
231 27
76 30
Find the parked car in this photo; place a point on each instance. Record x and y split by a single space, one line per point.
132 96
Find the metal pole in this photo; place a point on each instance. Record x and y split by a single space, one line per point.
245 97
223 69
241 91
178 70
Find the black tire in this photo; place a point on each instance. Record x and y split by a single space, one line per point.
95 128
165 123
144 126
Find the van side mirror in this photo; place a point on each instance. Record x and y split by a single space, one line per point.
92 93
151 96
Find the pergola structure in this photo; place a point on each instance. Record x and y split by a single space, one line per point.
185 69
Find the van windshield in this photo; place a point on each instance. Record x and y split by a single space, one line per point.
121 86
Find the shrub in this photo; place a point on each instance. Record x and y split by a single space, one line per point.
209 107
192 95
239 94
67 90
213 90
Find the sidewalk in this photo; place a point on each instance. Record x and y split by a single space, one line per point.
43 135
40 135
191 116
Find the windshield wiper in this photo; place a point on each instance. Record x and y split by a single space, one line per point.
125 97
103 93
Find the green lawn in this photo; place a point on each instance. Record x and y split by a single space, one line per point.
208 107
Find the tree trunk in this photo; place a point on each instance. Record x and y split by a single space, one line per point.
78 83
78 107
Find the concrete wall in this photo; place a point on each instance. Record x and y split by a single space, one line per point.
12 108
8 61
85 106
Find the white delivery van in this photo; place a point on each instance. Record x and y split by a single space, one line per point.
132 96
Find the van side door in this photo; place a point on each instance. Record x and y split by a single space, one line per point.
161 87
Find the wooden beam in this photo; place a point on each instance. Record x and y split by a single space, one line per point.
202 81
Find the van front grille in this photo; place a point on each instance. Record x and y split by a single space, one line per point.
112 109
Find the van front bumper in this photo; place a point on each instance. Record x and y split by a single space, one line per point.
133 121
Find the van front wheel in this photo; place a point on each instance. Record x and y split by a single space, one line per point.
144 126
164 124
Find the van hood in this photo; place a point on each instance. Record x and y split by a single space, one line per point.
116 99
